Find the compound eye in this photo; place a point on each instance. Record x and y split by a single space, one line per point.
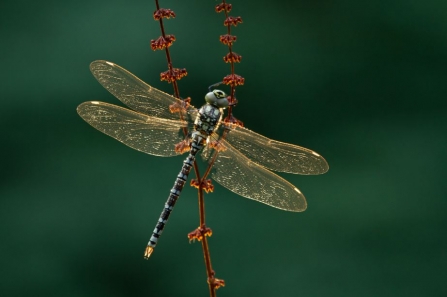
222 103
219 94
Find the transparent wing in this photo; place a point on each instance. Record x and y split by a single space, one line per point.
136 94
144 133
276 155
240 175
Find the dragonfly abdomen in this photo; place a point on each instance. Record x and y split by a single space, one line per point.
180 181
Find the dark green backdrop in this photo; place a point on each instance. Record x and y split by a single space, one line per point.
361 82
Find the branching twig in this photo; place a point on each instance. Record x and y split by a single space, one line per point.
233 80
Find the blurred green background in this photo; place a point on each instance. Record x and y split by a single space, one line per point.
361 82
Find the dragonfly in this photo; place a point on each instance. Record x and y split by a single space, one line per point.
242 160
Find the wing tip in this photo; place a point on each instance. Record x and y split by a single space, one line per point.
303 205
94 64
325 166
81 106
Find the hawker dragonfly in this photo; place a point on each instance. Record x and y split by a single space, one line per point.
156 125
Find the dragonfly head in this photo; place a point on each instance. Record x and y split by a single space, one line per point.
217 98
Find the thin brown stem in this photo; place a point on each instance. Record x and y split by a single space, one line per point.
232 79
164 42
230 49
213 158
202 231
213 283
168 55
201 205
174 74
209 269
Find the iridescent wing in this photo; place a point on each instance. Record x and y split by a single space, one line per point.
276 155
151 135
136 94
244 177
245 159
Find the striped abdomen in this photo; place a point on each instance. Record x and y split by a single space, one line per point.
180 181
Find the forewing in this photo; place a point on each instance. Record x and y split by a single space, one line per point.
136 94
144 133
237 173
276 155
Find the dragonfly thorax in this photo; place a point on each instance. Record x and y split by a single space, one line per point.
207 119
